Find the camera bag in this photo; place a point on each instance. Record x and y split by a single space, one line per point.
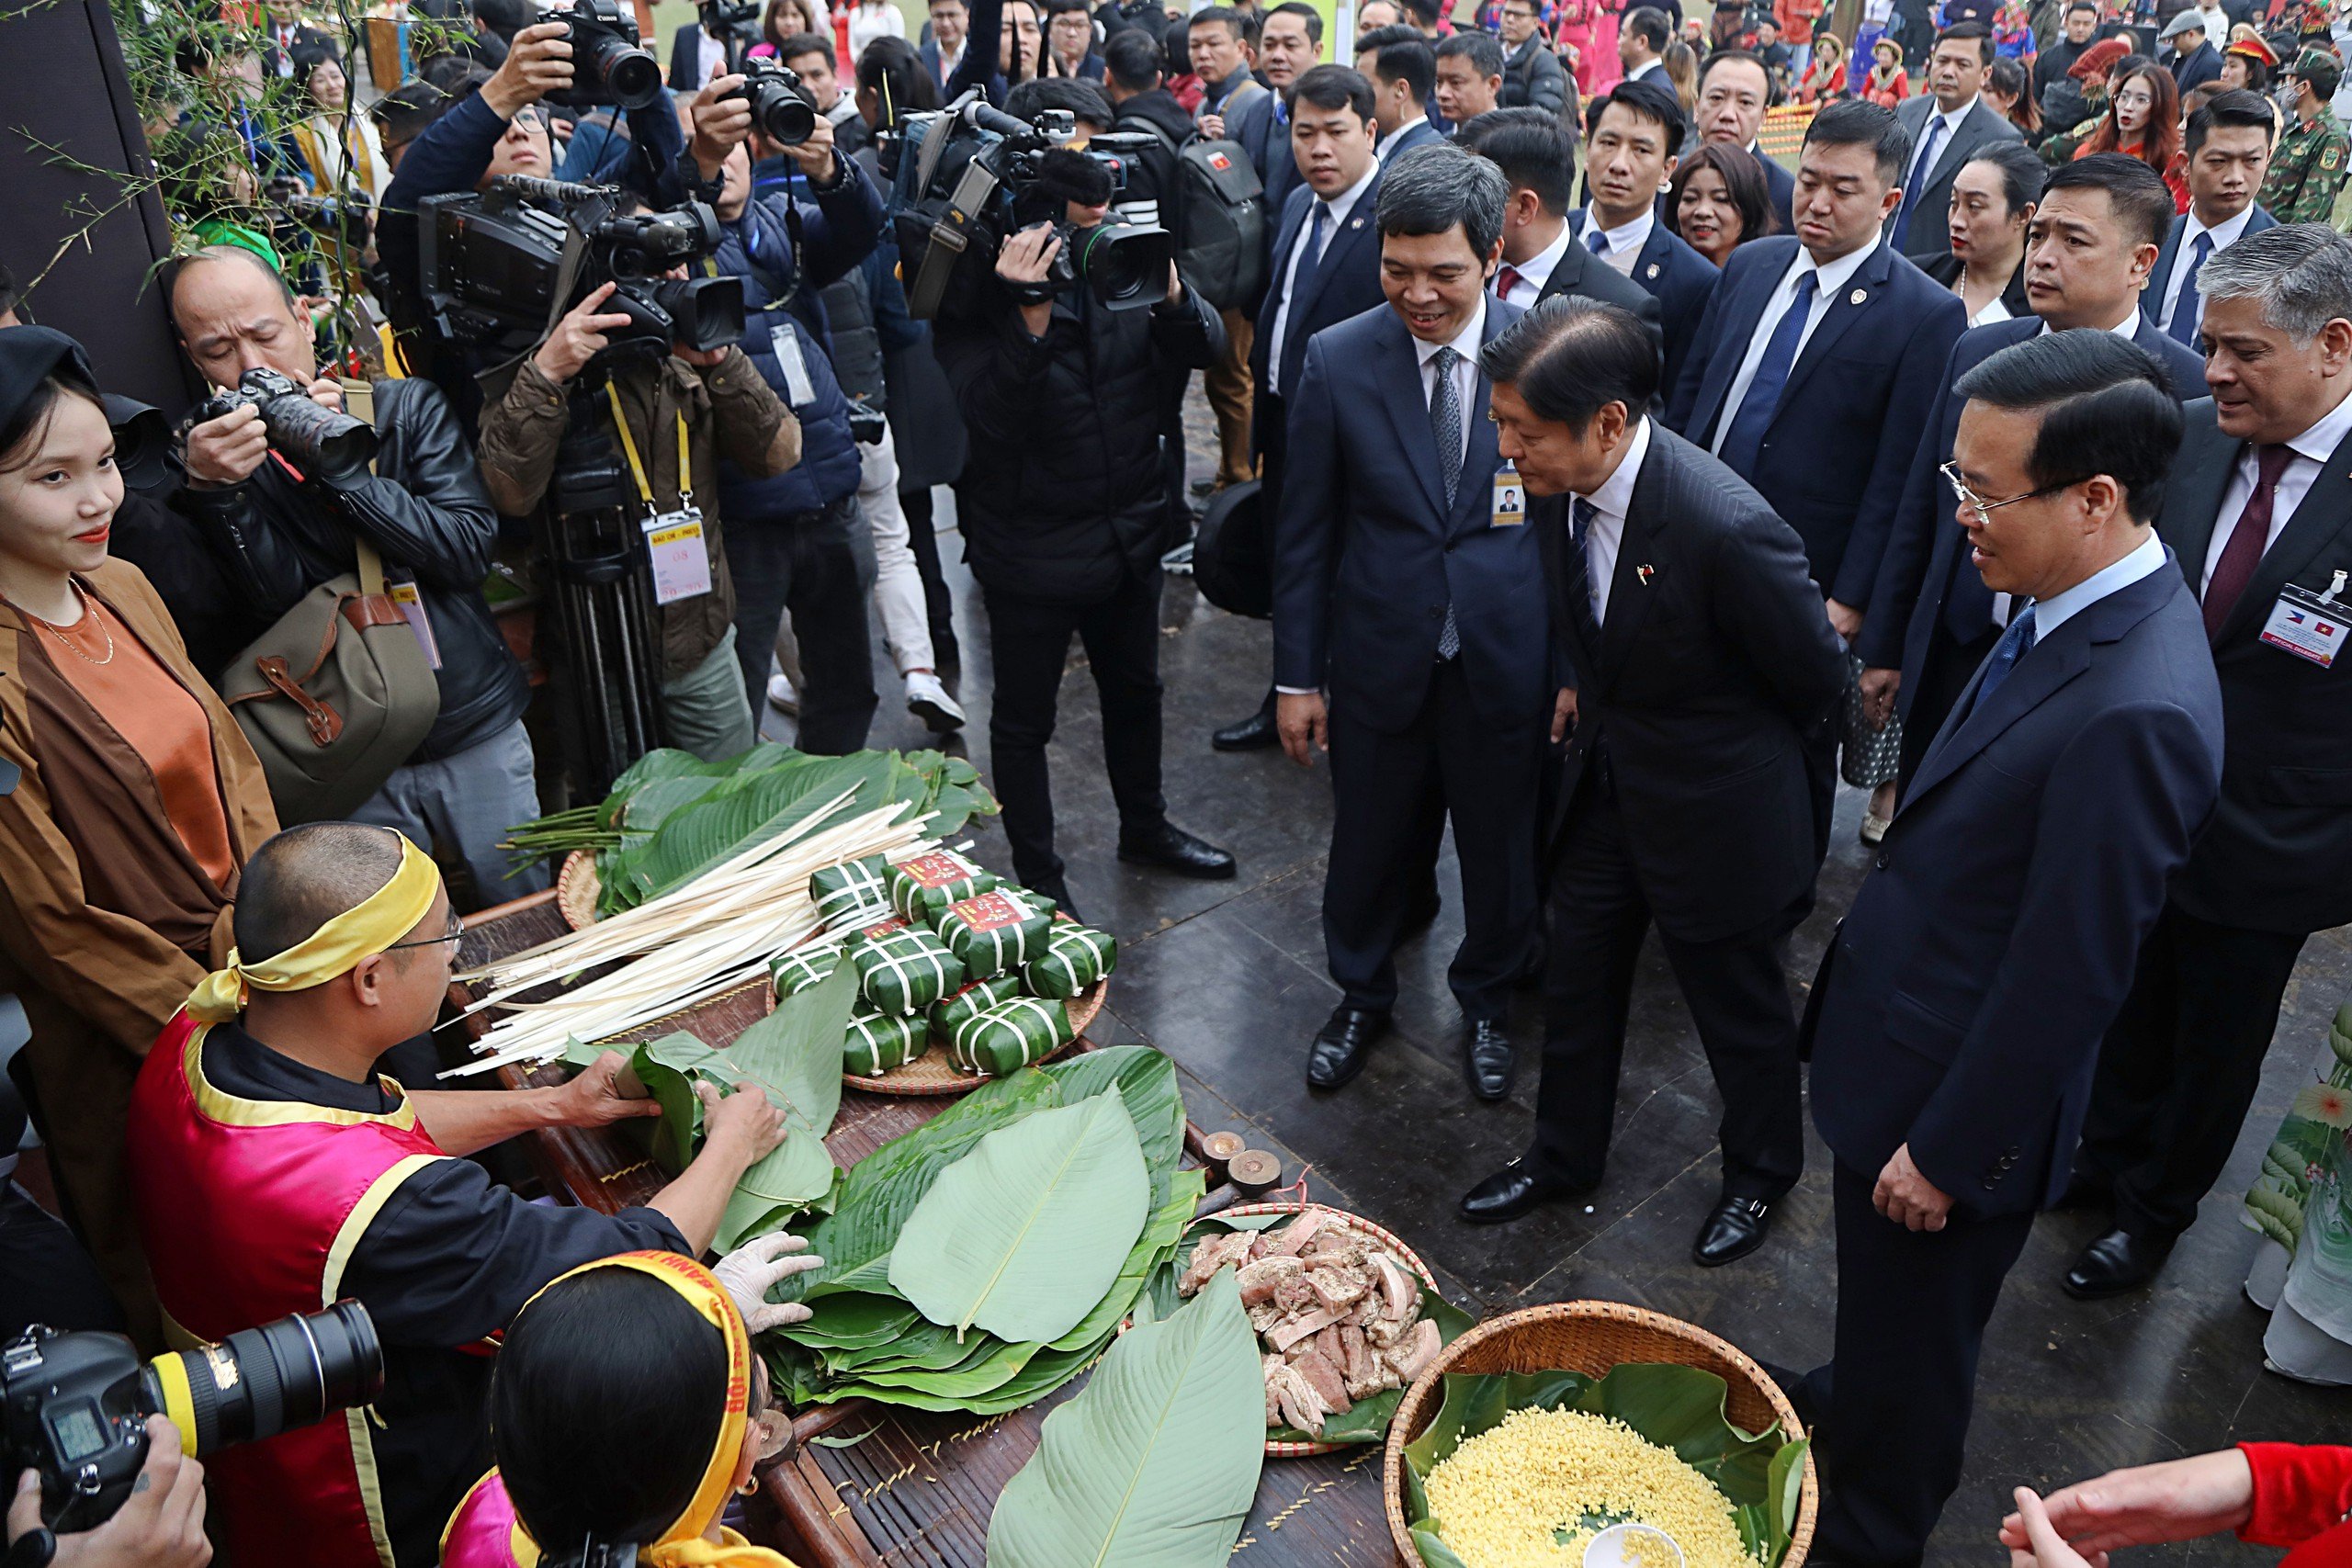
338 693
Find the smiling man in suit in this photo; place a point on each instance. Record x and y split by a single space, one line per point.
2228 148
1956 1020
2259 514
1634 139
1947 125
1697 672
1411 638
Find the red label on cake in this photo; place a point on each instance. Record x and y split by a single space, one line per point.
991 911
884 927
936 870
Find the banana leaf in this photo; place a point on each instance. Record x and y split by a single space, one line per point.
1160 1235
990 1365
1154 1464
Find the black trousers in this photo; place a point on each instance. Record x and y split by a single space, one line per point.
1936 690
2180 1065
1392 795
1736 990
820 565
1272 427
45 1275
1895 1403
1029 645
922 538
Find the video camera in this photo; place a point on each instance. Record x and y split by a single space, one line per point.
75 1406
607 64
317 439
966 177
501 267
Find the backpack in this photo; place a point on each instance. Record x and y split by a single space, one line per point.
1218 213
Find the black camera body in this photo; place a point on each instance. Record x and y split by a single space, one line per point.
964 178
781 107
315 438
608 64
291 207
74 1407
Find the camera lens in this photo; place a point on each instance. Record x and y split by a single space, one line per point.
705 313
261 1382
1127 268
784 115
313 437
631 75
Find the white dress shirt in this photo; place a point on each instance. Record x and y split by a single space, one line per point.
2224 236
1537 270
1833 279
1992 314
1625 241
1605 536
2145 560
1951 118
711 61
2312 449
1386 146
1653 68
1464 374
2127 327
1340 206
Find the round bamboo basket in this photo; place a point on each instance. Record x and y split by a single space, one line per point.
1591 1337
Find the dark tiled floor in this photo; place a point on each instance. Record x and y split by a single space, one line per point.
1229 980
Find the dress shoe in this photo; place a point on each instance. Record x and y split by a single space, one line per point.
1057 890
1253 734
1736 1227
1515 1189
1171 848
2116 1262
1340 1050
1486 1054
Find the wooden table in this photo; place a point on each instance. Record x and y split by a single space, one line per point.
915 1488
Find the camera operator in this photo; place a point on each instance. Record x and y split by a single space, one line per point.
160 1526
1063 505
282 533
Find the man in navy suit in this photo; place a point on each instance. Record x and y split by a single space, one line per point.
2228 147
1632 136
1734 93
695 57
2259 514
1402 68
1822 354
1469 77
1696 670
1931 617
1956 1021
1946 127
1411 638
1290 44
2195 61
950 31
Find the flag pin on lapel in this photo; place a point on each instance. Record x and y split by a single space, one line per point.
1645 573
1858 295
1357 222
1653 271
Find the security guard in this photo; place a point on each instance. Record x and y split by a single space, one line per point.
2309 165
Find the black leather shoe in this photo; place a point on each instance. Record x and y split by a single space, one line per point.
1253 734
2116 1262
1515 1189
1736 1227
1486 1054
1340 1050
1056 890
1171 848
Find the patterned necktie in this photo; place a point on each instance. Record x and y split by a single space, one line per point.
1744 440
2184 307
2014 644
2248 540
1918 179
1445 426
1582 600
1506 279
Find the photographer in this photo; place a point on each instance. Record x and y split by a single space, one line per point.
282 533
160 1526
1063 505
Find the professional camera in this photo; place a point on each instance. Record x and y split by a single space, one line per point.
292 207
501 266
75 1406
964 177
142 438
316 439
607 66
780 105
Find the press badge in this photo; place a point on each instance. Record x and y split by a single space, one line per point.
1511 497
786 344
412 605
681 561
2309 625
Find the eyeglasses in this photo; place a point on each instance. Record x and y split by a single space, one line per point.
1984 508
456 932
2135 100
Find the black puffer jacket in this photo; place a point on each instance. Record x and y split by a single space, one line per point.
1062 496
426 512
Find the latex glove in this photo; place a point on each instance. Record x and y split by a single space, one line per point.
753 1270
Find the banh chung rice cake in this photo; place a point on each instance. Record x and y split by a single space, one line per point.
1532 1491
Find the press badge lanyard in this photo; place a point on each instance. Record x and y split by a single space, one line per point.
681 560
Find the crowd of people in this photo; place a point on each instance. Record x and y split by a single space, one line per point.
1618 486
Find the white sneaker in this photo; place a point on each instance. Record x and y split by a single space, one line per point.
929 701
782 696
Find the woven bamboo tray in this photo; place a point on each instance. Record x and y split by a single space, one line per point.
1591 1337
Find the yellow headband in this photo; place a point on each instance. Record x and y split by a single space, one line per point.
383 918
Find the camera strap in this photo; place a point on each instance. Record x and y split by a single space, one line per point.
673 539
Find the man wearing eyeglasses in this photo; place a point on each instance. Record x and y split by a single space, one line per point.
1956 1020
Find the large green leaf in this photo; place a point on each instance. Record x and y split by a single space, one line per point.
1154 1462
1025 1234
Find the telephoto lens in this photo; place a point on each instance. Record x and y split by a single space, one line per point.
1125 267
261 1382
315 438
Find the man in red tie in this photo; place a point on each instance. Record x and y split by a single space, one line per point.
2259 512
291 41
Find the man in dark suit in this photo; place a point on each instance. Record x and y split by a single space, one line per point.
1402 69
1697 673
1822 353
1469 77
2259 514
1930 619
1947 125
695 57
2228 148
950 32
1642 37
1290 44
1409 589
289 42
1956 1020
2195 61
1633 135
1734 93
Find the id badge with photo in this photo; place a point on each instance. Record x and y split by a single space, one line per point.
2308 625
412 604
1510 499
786 344
681 560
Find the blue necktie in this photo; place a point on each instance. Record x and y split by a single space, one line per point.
1754 416
1918 181
1595 241
1315 230
2186 308
1445 426
2014 644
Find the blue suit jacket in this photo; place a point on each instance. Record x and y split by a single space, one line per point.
1269 143
1924 577
1367 555
2160 276
1961 1006
1420 134
1346 283
1850 416
1683 282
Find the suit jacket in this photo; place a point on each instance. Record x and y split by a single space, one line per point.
1961 1006
1712 679
1585 275
1367 555
310 43
1851 415
1928 234
1247 110
2193 70
2278 854
1683 282
1928 598
1346 283
1269 149
2160 278
685 59
1420 134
